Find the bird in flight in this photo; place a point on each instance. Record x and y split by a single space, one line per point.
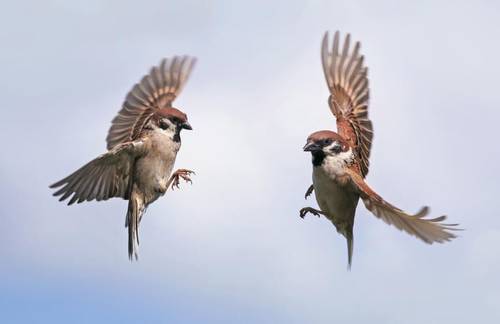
340 160
142 144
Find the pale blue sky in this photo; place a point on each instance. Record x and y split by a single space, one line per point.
231 247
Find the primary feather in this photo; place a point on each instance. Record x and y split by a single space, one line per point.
347 79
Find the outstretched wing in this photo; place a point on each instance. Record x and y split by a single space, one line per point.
348 83
429 230
105 177
156 90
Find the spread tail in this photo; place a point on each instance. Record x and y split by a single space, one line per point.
134 215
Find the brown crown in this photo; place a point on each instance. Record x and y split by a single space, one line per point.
324 134
171 112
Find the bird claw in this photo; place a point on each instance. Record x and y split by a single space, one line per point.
303 212
309 191
181 173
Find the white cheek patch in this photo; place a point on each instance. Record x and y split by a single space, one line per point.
170 130
165 133
333 148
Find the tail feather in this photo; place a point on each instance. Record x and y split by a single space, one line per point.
134 214
350 243
345 228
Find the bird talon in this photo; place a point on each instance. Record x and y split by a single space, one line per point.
186 178
309 191
303 212
181 173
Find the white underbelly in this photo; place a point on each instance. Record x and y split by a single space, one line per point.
336 201
155 168
152 174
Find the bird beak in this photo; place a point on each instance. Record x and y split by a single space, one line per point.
186 125
312 147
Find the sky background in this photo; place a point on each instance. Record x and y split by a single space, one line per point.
231 248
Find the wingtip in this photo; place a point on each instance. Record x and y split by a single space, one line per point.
423 212
326 35
57 184
72 200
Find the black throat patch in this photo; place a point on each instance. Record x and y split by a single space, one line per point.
177 135
318 157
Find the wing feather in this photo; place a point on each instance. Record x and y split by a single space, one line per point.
95 190
102 178
156 90
429 230
349 94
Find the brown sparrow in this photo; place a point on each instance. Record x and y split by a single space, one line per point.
340 160
142 144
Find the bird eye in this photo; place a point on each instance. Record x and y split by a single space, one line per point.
327 141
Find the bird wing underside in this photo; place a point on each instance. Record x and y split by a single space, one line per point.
429 230
105 177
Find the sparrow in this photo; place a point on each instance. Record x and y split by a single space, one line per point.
340 160
142 145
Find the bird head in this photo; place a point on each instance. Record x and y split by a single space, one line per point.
172 121
327 144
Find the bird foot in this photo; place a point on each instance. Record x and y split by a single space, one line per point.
303 212
309 191
180 173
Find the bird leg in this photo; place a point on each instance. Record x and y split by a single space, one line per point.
303 212
309 191
180 173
